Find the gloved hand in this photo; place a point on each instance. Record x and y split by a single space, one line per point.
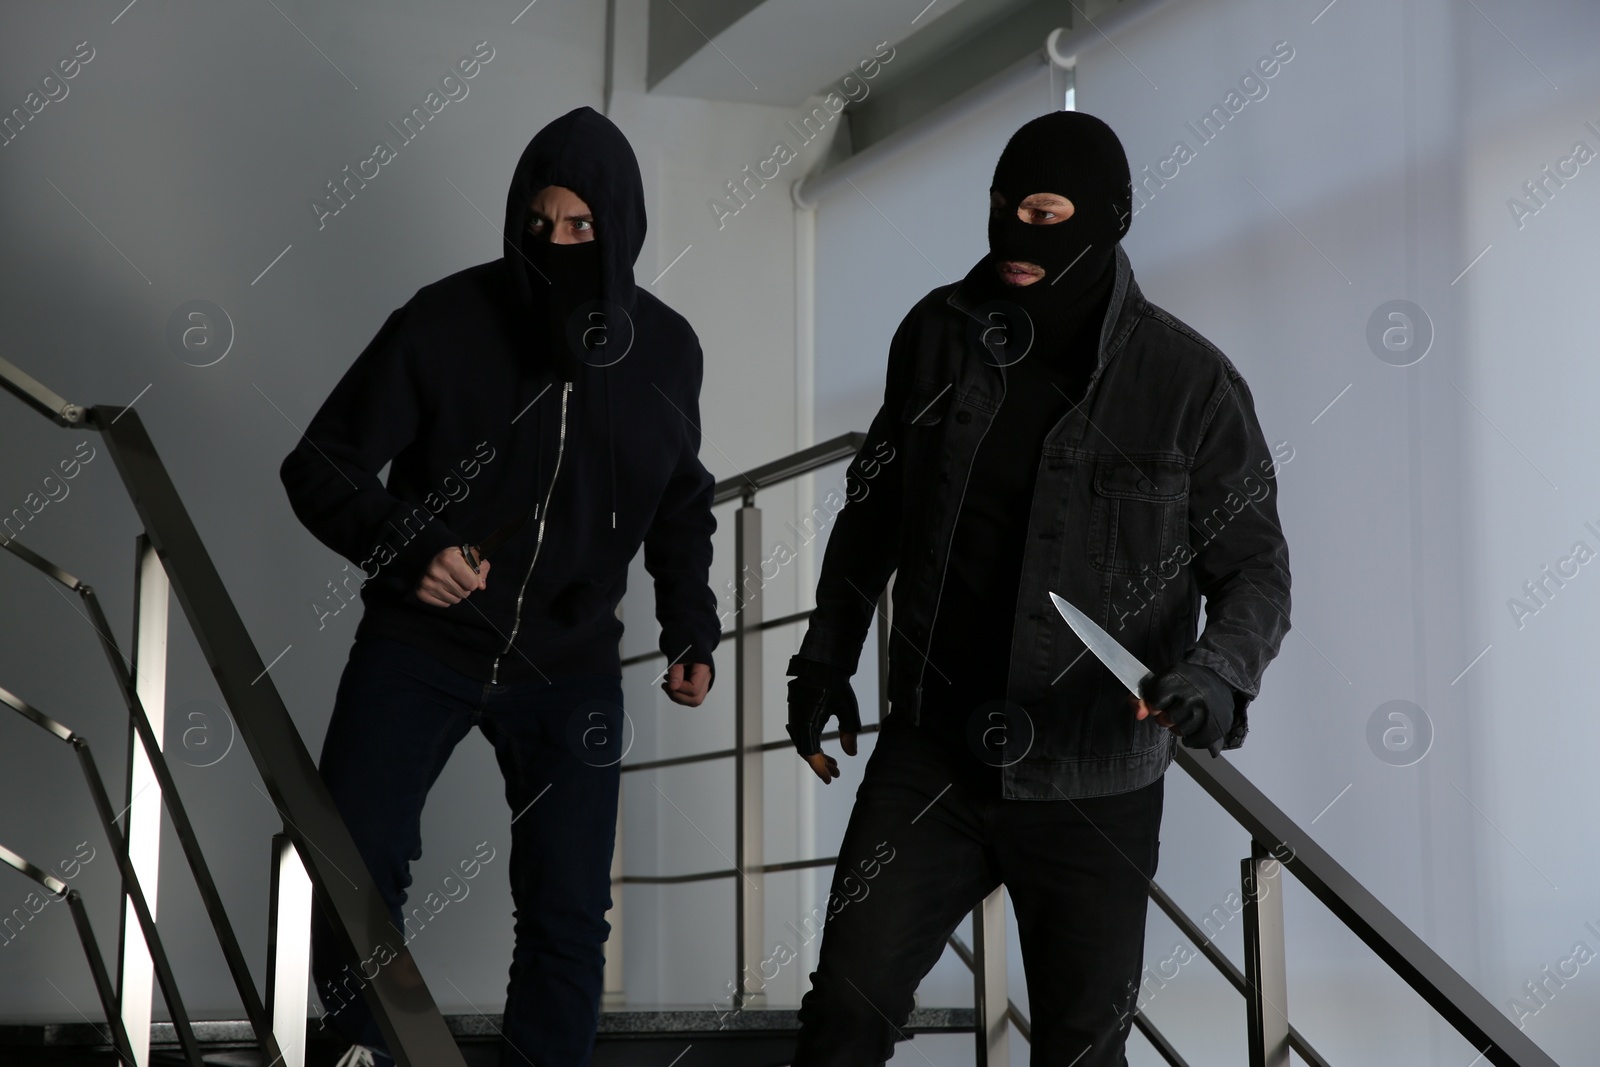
1196 700
817 693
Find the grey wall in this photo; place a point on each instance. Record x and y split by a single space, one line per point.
1377 167
192 143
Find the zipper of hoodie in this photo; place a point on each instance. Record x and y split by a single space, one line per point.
544 512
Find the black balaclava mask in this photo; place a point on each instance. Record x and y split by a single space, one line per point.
1076 156
566 279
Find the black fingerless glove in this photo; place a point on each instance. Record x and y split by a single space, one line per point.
1196 699
818 692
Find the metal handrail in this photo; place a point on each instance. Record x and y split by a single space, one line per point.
728 753
822 454
1226 967
130 877
764 625
1493 1034
91 948
711 876
401 1004
188 840
1272 834
405 1011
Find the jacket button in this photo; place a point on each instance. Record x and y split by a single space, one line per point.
963 416
1146 484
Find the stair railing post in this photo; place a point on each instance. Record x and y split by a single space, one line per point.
1265 969
613 994
991 1033
749 813
135 976
288 950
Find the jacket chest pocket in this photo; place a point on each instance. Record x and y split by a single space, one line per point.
926 404
923 419
1137 514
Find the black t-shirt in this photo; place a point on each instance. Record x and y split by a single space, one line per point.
970 648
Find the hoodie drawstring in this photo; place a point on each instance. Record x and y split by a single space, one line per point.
611 451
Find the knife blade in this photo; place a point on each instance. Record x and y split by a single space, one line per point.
476 554
1128 668
502 535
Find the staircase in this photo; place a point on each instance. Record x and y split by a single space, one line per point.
171 557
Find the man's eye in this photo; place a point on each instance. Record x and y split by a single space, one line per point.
582 225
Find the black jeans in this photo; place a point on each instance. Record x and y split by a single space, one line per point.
1077 872
397 717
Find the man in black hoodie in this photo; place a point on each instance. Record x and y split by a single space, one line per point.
540 416
1050 430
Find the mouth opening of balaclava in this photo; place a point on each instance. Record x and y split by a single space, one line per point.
566 285
1079 157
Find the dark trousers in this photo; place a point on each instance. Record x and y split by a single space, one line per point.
1077 872
397 717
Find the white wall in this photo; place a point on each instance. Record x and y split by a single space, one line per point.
1380 159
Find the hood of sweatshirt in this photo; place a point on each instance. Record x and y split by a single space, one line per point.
583 151
458 399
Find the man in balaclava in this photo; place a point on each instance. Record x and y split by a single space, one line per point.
540 415
1043 428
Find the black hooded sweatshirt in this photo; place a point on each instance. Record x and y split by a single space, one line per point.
461 394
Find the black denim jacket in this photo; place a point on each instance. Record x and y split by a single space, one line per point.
1155 490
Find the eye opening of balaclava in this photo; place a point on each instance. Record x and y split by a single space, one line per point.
1076 156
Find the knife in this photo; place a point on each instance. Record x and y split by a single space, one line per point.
1118 660
476 554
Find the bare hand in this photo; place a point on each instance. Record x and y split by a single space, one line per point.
449 579
691 691
825 766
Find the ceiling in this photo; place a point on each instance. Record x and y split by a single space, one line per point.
782 51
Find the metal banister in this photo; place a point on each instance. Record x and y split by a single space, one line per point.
91 948
403 1008
33 393
1225 967
764 624
147 742
1494 1035
1272 835
747 483
130 878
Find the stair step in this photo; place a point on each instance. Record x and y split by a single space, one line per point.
754 1037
